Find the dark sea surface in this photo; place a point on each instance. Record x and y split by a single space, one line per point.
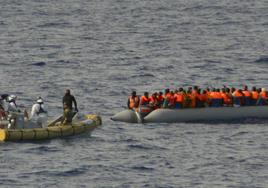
102 50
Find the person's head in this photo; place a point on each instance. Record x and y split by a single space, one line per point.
39 100
68 92
160 93
11 98
245 87
146 94
133 94
4 96
254 88
180 89
166 91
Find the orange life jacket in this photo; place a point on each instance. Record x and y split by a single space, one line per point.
171 100
144 105
160 99
215 95
144 101
263 95
255 95
153 102
237 94
226 98
203 97
193 100
179 97
247 93
133 102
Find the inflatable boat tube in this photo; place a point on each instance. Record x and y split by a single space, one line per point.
128 116
196 114
87 124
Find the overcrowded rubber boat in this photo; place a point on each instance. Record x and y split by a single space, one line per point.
195 105
27 130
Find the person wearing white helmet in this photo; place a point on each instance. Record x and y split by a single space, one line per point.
12 106
39 112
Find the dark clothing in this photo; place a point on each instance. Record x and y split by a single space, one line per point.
69 100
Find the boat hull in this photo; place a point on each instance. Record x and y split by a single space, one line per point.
53 131
202 114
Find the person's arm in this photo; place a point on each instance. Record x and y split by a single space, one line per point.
75 104
128 102
63 99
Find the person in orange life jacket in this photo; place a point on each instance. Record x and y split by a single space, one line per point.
230 95
171 100
226 97
200 99
192 98
216 98
207 91
262 97
144 104
186 98
179 98
238 98
153 101
166 98
255 96
195 90
247 96
160 99
133 101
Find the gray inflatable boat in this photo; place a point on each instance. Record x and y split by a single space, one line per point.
193 114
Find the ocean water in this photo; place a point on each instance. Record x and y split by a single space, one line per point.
102 50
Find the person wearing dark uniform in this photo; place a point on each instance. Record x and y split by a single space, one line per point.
69 99
68 112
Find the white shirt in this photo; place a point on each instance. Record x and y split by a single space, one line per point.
12 107
36 110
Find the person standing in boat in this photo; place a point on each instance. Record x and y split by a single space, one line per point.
67 115
255 96
238 98
247 96
69 99
39 113
133 101
144 107
12 106
160 99
263 98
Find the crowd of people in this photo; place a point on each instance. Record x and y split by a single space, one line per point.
195 97
38 114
